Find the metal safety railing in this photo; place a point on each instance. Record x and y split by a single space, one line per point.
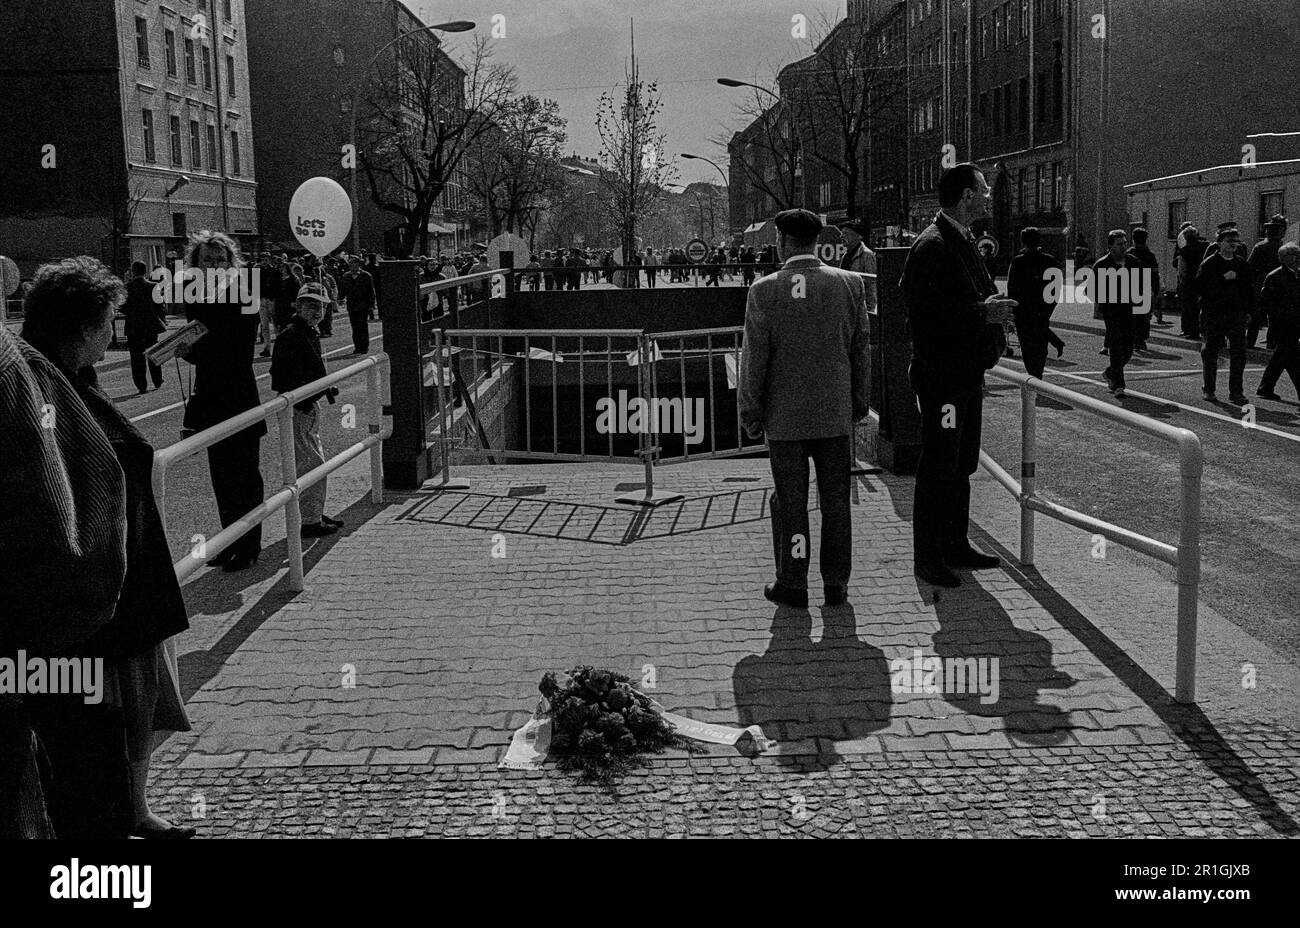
286 498
1186 556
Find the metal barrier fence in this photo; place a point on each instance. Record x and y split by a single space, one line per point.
1186 556
633 276
286 497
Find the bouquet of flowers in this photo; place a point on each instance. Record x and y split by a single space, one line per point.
602 723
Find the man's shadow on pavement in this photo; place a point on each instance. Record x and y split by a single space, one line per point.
973 624
799 691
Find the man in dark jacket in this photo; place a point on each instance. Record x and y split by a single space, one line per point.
1263 261
359 291
144 322
1190 255
1115 282
950 300
1281 299
225 386
574 268
1146 260
1226 286
1027 280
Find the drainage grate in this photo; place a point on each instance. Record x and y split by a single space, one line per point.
535 490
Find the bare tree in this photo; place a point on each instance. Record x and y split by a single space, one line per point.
510 167
634 164
423 116
121 203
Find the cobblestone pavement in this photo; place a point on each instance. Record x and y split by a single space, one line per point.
379 700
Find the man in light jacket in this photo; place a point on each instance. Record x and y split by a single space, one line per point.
804 383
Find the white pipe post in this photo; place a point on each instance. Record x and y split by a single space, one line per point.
376 428
1028 470
292 511
1189 566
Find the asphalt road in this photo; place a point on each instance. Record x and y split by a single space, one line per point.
190 507
1250 530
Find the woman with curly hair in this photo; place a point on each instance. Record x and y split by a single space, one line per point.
99 753
225 386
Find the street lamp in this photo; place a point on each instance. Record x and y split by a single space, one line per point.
731 82
726 183
459 25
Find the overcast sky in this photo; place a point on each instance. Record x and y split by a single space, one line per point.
573 50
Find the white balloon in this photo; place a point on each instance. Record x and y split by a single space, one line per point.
320 215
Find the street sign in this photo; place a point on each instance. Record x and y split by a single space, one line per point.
697 250
987 246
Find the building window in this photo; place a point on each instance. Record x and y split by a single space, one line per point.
984 37
998 40
234 153
1040 182
207 68
984 113
169 46
1058 88
179 228
142 41
1057 9
1008 15
230 75
213 163
1024 18
1272 203
174 127
1177 216
226 11
997 110
1021 205
1024 104
1009 114
1040 106
1040 7
196 146
146 123
190 77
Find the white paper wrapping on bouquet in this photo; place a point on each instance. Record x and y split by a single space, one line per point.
531 743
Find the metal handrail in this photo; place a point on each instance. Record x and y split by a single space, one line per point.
1186 556
287 496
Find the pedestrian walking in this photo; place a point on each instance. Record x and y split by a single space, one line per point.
1150 278
803 385
1263 261
955 317
225 386
651 268
296 363
1027 279
858 257
144 323
1281 299
1113 276
1225 285
1191 252
359 293
534 273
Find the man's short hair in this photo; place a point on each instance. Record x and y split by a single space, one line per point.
1030 237
1139 236
1115 235
138 268
1288 248
957 180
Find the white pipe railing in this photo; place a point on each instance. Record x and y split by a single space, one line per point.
286 497
1186 556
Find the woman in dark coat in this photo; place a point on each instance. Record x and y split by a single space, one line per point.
99 754
225 386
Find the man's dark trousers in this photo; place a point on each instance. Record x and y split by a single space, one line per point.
1217 331
951 423
360 329
1119 338
139 363
830 457
1032 333
235 466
